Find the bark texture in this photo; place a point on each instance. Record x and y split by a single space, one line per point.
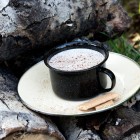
75 129
15 117
83 127
41 24
124 123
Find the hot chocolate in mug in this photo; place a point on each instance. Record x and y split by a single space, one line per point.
77 70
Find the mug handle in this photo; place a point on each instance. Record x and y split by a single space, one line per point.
111 76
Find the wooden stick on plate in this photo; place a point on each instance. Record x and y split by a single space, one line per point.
98 100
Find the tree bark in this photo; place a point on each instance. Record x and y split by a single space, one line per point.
83 127
122 123
18 121
74 129
41 24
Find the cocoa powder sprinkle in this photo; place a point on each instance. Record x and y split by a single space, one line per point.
76 59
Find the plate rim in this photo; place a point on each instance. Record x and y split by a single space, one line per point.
81 113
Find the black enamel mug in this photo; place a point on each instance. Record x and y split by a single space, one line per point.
80 84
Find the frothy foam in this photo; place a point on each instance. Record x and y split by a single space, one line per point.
76 59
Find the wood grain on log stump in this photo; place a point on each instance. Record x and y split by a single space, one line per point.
22 136
41 24
15 117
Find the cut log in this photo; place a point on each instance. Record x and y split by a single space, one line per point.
41 24
24 136
19 121
82 128
122 123
74 129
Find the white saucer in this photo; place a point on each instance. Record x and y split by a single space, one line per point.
35 90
